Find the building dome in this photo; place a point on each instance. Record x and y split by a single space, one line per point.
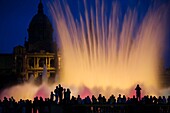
40 32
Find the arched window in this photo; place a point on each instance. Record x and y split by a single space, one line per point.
31 62
52 63
42 61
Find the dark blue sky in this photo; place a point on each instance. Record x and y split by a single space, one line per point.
15 16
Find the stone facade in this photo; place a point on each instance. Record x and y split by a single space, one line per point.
39 54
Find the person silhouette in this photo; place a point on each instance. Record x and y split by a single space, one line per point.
138 92
79 100
60 92
65 96
56 91
68 92
52 97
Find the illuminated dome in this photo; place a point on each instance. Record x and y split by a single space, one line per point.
40 32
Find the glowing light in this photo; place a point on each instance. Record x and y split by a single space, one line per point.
98 57
96 53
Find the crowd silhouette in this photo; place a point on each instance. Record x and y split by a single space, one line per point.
60 101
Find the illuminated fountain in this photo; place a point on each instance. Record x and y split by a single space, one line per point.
104 59
101 56
29 90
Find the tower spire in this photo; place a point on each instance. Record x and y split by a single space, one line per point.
40 7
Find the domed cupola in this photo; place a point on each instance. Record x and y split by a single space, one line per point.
40 32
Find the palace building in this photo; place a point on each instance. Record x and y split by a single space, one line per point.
38 56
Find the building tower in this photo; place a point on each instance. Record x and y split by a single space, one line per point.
38 57
40 32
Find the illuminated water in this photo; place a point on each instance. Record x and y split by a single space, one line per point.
98 57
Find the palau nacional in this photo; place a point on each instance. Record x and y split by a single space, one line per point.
38 54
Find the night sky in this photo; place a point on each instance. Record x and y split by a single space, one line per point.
15 16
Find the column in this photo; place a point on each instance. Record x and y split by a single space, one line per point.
46 62
49 62
34 62
38 62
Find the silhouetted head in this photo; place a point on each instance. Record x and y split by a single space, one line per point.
59 85
10 99
41 98
5 98
119 95
68 89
